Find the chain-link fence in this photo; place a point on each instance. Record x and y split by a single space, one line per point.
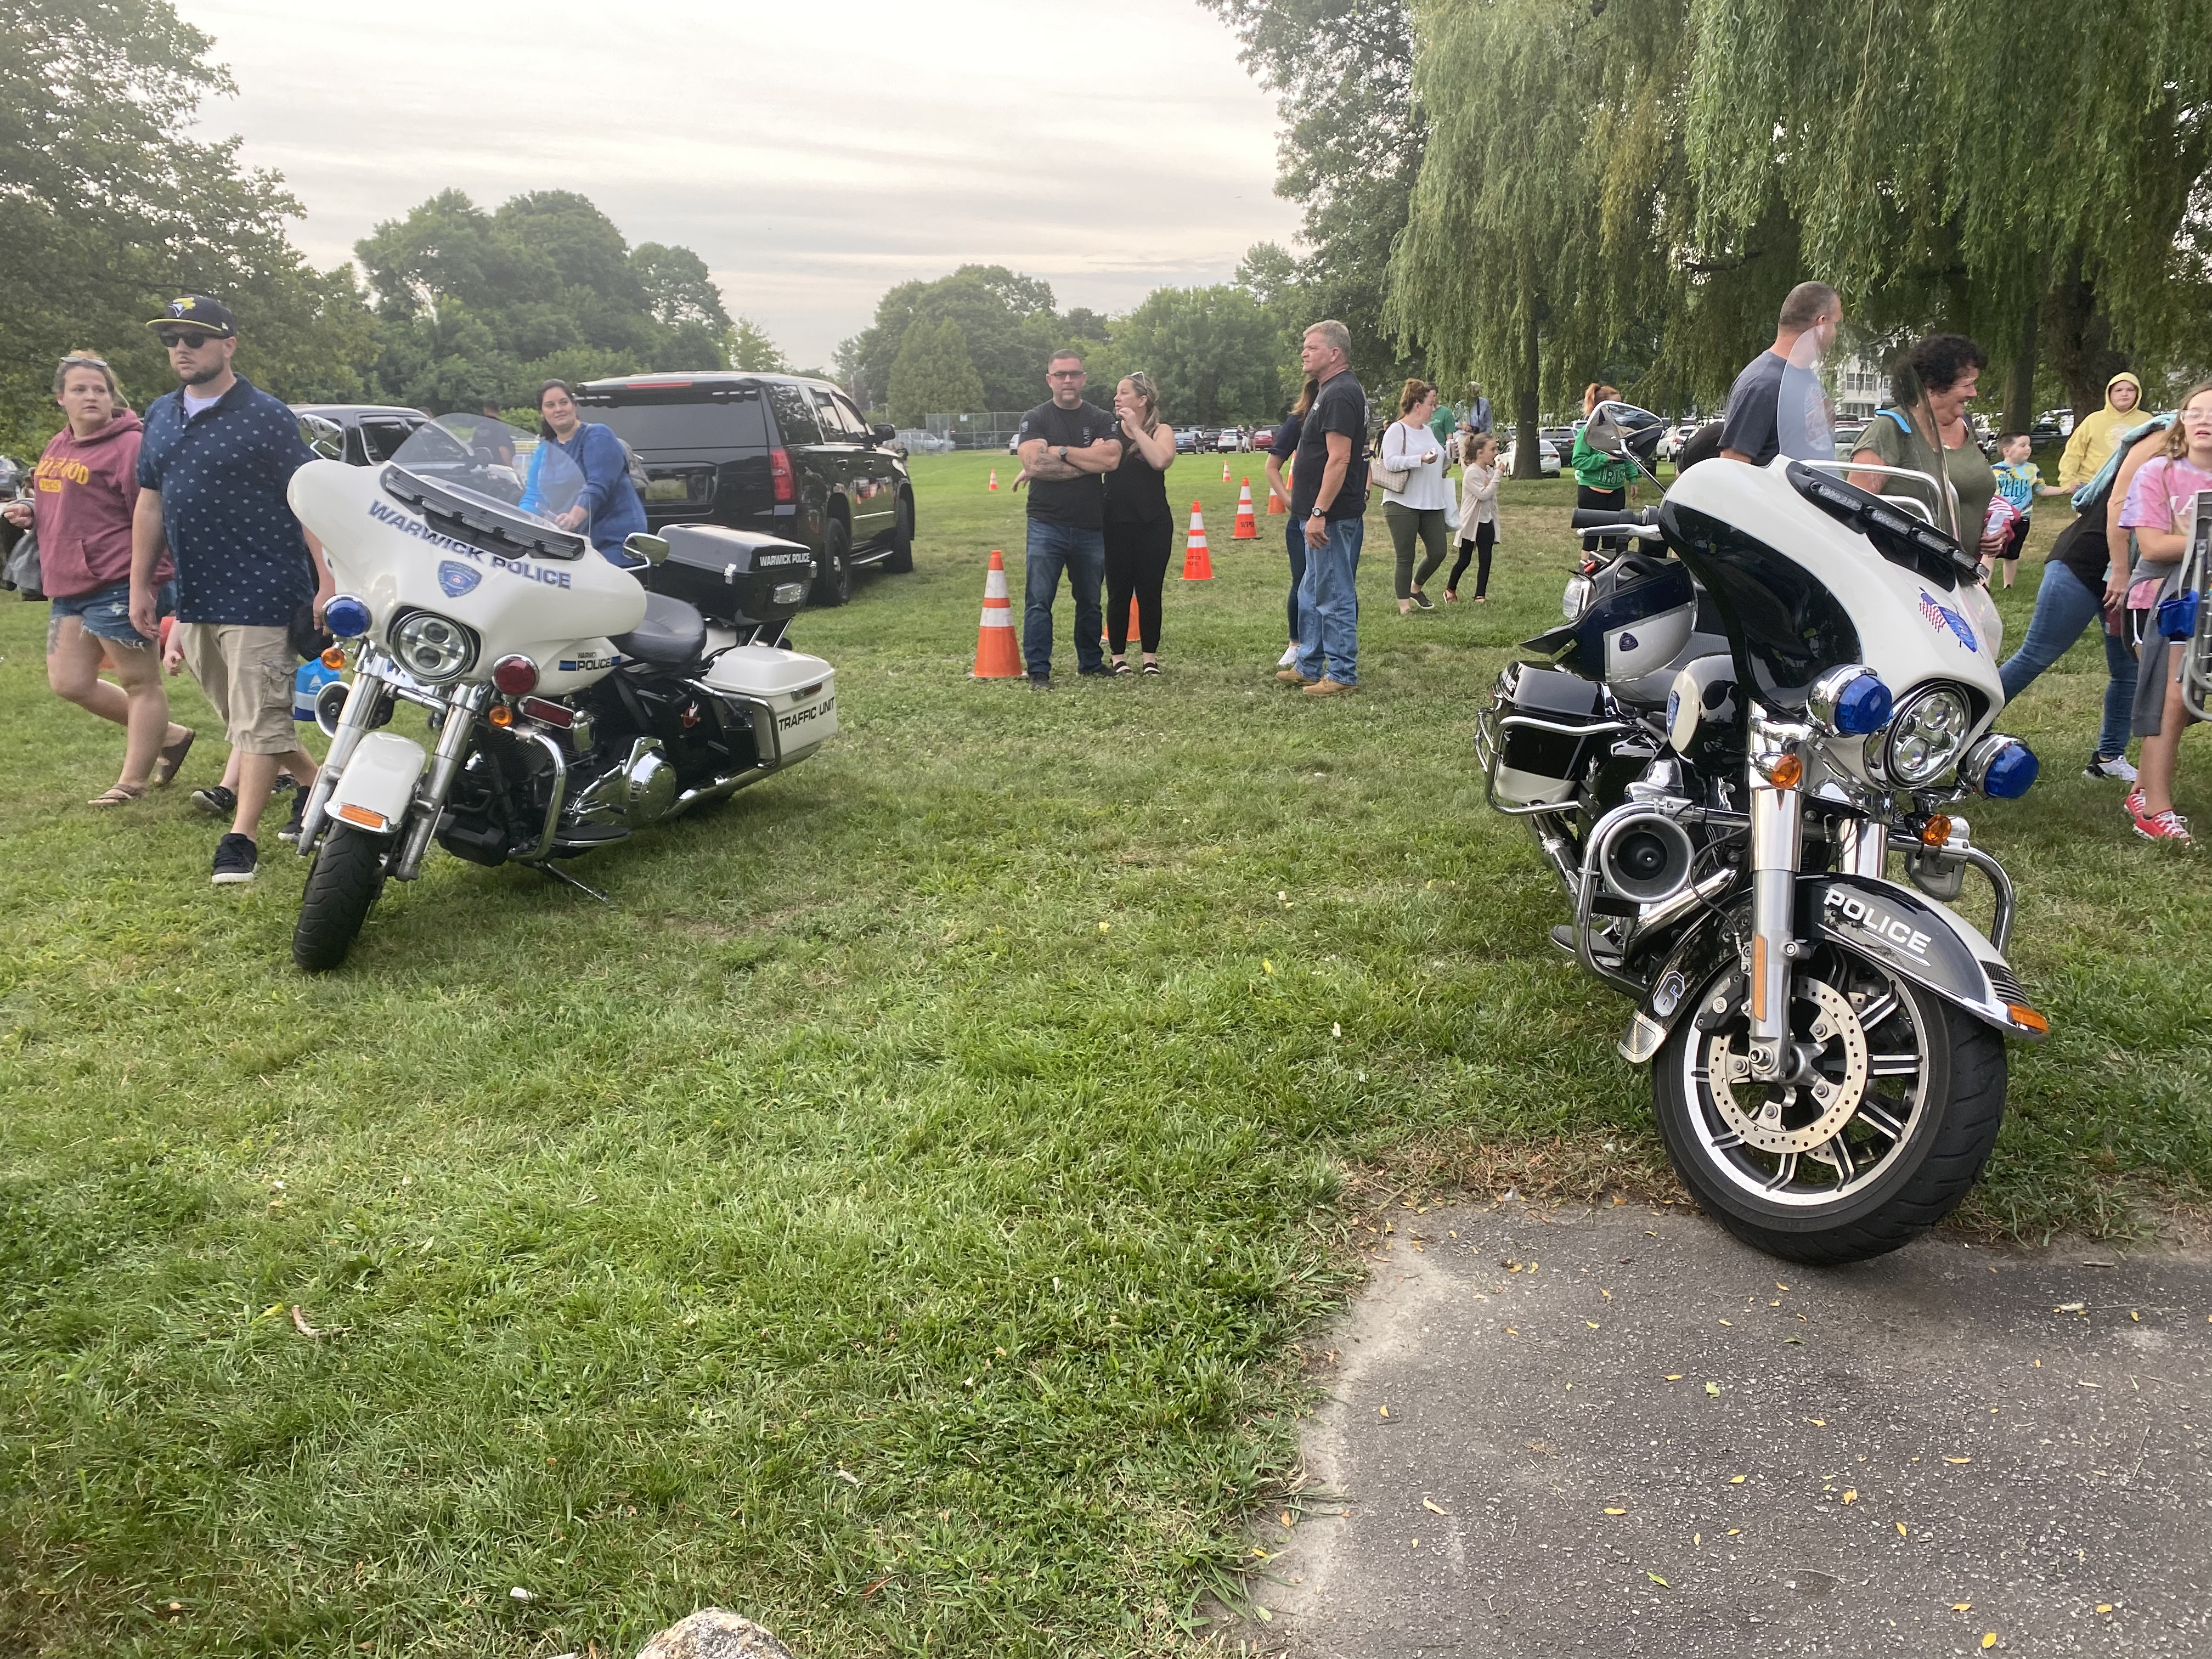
986 430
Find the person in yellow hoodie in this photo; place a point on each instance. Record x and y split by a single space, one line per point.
2093 439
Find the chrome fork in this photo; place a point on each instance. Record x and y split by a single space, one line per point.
1777 818
462 704
361 700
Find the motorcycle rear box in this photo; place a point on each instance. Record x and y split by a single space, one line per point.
798 692
1536 766
735 577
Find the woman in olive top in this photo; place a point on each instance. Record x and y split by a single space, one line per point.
1140 528
1947 368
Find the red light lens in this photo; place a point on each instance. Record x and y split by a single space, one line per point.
515 676
549 713
779 472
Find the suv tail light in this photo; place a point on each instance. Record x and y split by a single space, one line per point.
779 472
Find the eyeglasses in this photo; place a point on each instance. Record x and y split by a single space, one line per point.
1063 375
190 342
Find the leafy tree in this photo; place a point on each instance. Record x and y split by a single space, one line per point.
1342 72
1213 351
1006 319
745 344
934 374
109 207
678 288
1268 274
472 304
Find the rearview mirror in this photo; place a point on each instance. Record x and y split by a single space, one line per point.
654 549
326 438
884 432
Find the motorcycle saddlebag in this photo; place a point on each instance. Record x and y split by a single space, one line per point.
1537 767
735 577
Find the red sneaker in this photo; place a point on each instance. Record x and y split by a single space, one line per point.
2134 803
2166 826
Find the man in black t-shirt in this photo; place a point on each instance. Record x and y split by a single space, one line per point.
1329 497
1068 446
1749 430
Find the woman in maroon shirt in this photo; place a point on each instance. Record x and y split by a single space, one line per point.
83 493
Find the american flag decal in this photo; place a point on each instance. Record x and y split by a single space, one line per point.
1942 616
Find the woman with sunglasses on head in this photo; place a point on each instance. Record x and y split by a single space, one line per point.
1140 525
84 495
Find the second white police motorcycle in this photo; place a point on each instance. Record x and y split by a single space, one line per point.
1770 693
571 702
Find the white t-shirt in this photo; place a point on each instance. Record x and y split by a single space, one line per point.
1403 446
196 403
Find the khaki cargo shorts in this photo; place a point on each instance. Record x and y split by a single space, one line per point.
247 674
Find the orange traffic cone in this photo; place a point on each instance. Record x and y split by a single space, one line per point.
997 657
1247 527
1197 565
1275 502
1224 472
994 477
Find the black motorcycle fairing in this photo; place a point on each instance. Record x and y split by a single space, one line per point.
1896 535
1791 628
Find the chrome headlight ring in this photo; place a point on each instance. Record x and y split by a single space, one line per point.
1927 736
432 647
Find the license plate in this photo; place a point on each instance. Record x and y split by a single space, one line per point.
668 489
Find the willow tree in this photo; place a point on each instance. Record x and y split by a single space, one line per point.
1991 172
1536 238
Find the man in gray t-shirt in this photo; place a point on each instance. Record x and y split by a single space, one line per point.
1748 431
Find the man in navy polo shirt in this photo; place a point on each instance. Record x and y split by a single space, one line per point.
213 468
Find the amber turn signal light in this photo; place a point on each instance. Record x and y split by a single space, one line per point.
1936 832
500 714
334 657
1787 773
2028 1020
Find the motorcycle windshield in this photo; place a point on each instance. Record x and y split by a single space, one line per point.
1805 425
483 460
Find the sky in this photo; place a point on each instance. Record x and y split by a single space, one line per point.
814 153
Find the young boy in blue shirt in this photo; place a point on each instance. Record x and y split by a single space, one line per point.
2020 482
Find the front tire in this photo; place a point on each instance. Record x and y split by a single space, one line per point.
902 539
1882 1132
343 883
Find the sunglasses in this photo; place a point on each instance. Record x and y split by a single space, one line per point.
190 342
84 362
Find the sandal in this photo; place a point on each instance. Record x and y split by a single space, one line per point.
1451 596
121 795
1149 668
172 759
1121 667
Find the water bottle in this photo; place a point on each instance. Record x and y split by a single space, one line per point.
312 678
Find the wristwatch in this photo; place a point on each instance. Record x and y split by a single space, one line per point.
1063 454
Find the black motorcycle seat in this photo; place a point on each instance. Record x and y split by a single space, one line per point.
672 635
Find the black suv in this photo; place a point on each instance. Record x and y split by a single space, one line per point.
766 452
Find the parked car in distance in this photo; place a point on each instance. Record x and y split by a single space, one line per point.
1187 442
1547 459
1560 440
773 452
1674 438
2053 424
919 442
1229 442
366 434
1849 431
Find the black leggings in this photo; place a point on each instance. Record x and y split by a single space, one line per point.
1136 563
1615 500
1485 537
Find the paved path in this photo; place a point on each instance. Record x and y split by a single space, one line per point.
1650 1440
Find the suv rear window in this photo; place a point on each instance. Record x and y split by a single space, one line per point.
722 423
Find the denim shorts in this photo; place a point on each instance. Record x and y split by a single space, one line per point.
106 611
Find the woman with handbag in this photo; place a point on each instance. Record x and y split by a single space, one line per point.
85 493
1415 498
2162 510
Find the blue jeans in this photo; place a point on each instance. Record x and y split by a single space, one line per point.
1082 553
1328 606
1295 539
2063 607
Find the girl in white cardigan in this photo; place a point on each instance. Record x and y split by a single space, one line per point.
1478 513
1415 510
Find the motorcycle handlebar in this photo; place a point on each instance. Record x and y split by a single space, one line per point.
1594 518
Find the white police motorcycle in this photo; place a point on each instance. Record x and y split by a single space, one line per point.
571 700
1769 692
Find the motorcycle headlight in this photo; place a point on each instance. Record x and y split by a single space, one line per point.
1577 598
2000 766
1926 736
1850 701
432 647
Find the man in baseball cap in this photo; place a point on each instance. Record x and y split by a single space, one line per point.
213 467
196 314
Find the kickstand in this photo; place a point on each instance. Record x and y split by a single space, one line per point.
559 874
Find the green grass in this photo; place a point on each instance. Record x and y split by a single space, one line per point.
894 1215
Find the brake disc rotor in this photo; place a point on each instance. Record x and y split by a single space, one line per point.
1779 1123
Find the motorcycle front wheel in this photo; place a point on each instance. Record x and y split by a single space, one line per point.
343 883
1879 1131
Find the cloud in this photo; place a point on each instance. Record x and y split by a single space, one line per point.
812 154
